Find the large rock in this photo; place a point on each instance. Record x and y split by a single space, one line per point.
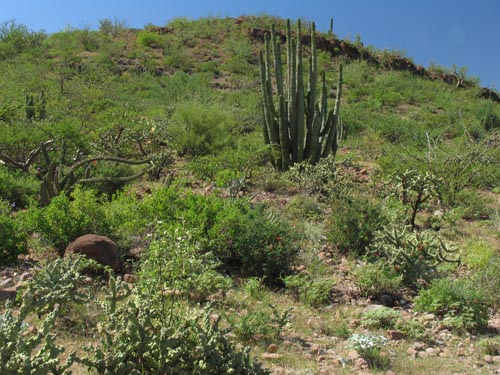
99 248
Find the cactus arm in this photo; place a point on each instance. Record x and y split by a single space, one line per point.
300 98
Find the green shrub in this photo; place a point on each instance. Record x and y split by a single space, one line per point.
259 324
200 129
488 281
175 264
377 279
459 301
478 254
315 293
65 219
17 188
382 317
13 237
252 241
149 39
353 224
490 346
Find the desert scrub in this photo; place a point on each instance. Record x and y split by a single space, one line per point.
259 323
382 317
353 224
459 302
312 292
13 238
174 264
377 279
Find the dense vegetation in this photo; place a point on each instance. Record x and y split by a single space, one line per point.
154 138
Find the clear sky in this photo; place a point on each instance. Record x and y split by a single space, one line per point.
446 32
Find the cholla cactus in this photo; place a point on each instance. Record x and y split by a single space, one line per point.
415 255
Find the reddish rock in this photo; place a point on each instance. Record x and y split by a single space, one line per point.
129 278
270 356
273 348
99 248
392 334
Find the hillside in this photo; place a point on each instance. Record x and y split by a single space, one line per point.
382 257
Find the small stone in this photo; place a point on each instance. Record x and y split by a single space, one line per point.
322 255
423 355
7 283
321 358
418 346
360 364
129 278
353 354
273 348
392 334
411 352
496 359
270 355
25 276
321 351
431 352
461 352
428 317
488 359
314 349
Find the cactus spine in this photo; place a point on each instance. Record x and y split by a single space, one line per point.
299 127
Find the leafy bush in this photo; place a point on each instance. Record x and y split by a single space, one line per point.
17 188
259 324
414 255
478 254
200 129
174 264
250 241
65 219
460 302
353 224
315 293
488 281
13 237
148 39
490 346
382 317
377 279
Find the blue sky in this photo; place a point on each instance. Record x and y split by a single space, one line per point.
446 32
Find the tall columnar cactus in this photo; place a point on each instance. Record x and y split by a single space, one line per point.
294 122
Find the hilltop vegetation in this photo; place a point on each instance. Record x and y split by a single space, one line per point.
381 257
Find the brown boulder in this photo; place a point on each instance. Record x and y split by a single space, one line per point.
99 248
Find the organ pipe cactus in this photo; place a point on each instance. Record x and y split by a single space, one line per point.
301 128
